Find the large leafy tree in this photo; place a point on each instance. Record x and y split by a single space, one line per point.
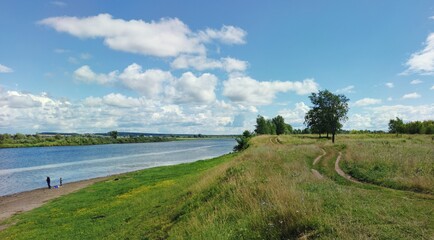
279 124
328 112
396 126
262 127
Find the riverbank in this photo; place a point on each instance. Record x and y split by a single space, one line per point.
26 201
22 141
266 192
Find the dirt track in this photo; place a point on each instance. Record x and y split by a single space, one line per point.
342 173
314 171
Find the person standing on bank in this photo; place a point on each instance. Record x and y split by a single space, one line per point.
60 182
48 182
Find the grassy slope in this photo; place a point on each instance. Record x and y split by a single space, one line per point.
266 192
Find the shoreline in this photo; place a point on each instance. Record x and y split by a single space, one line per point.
16 203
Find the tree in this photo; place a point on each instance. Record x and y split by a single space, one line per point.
261 125
288 129
113 134
396 126
327 113
243 143
247 134
279 124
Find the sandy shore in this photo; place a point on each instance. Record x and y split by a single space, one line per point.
25 201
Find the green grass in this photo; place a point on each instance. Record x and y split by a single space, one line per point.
404 162
265 192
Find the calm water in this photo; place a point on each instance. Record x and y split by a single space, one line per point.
23 169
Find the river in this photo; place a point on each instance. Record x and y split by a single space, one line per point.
23 169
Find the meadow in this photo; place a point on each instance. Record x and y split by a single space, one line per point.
265 192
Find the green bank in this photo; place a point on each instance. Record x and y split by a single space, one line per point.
265 192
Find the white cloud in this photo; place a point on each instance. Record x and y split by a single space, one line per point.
168 37
432 88
295 116
349 89
411 96
227 34
119 100
29 113
148 83
422 62
243 89
390 85
389 99
359 122
197 62
201 63
232 65
156 84
367 101
4 69
86 75
416 81
14 99
164 38
191 89
377 118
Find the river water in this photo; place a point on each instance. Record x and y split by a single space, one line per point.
23 169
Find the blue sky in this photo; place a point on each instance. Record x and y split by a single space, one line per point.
210 67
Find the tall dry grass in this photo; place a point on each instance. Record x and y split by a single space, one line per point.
256 196
404 162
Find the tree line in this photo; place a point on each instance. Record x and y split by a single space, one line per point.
37 140
274 126
418 127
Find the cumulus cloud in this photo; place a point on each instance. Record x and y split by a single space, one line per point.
201 63
232 64
197 62
164 38
413 95
376 118
86 75
366 102
227 34
4 69
168 37
349 89
148 83
119 100
29 113
389 85
156 84
422 62
244 89
295 116
416 81
14 99
191 89
432 88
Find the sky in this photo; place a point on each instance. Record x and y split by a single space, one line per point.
210 67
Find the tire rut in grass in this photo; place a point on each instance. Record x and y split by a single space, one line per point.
317 159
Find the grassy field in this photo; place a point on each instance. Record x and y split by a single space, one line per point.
265 192
400 162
